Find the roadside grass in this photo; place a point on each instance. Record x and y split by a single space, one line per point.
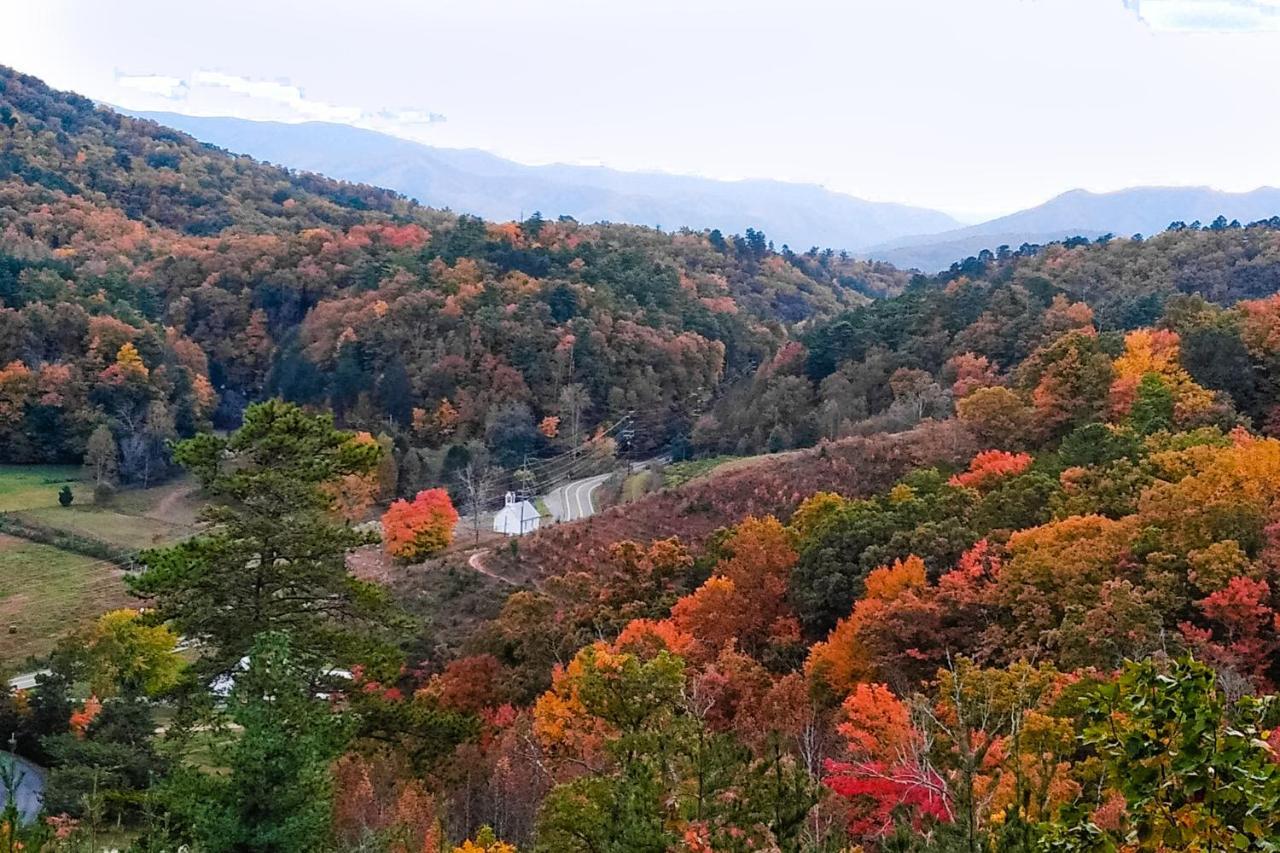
637 485
46 593
679 473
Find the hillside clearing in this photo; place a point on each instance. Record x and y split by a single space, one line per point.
46 593
30 486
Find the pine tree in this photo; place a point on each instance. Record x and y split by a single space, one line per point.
273 558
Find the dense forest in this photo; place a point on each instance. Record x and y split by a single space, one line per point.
1022 593
890 364
232 280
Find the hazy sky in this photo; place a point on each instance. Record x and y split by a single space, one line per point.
971 106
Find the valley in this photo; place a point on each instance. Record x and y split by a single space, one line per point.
335 520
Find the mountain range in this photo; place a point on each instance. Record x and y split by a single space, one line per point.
485 185
799 215
1080 213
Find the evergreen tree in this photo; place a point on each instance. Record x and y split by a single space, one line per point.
395 394
276 796
273 558
103 774
349 380
1153 407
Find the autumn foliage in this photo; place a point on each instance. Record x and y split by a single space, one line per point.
885 770
414 530
991 465
1004 574
375 798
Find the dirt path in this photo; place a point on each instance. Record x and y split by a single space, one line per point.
168 509
476 561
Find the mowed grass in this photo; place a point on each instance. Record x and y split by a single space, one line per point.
134 518
46 593
30 486
107 525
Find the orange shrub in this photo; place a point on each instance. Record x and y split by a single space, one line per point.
415 530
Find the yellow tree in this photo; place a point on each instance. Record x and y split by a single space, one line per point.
124 654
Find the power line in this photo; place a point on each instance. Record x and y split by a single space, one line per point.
575 453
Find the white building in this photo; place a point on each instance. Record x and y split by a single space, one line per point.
516 518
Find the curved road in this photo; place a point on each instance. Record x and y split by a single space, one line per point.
572 501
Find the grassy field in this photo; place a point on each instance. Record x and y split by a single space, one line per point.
128 531
46 592
134 518
29 486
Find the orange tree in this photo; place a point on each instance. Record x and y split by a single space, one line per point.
412 531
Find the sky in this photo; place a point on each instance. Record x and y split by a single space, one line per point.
976 107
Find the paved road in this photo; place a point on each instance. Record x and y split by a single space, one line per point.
26 681
572 501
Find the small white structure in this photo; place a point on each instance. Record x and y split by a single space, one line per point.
516 518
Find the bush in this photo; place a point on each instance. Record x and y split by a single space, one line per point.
103 493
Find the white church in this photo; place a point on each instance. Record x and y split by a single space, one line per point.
516 518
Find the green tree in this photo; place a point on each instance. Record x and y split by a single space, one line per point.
395 394
349 380
923 515
276 795
1098 444
104 775
274 557
1153 407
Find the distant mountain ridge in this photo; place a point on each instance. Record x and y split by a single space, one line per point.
483 184
798 215
1080 213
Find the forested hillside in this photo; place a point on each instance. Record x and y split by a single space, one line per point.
486 185
990 321
230 280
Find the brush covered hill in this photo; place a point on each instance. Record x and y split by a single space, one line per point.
1093 534
230 279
